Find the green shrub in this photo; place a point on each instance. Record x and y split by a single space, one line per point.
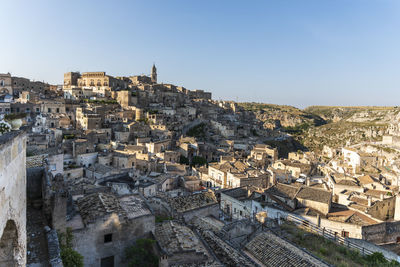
197 131
69 256
14 116
323 251
198 161
183 160
162 218
142 254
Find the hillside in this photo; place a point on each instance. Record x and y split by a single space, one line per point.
334 126
350 125
282 116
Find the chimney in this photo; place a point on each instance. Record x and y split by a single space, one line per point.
397 208
307 181
369 201
325 186
381 196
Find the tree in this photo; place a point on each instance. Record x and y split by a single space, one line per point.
142 254
183 160
69 256
198 161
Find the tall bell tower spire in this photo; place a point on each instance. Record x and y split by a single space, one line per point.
154 74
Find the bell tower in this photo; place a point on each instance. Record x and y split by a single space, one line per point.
154 74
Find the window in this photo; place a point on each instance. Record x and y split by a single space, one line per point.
240 212
49 110
345 234
107 238
37 109
58 110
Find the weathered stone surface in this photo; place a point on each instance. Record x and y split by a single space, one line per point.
12 199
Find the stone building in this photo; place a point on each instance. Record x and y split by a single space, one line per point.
13 199
99 84
52 107
140 79
235 203
71 79
87 120
294 168
106 225
290 197
263 154
5 84
126 98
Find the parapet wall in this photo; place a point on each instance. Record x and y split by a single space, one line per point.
13 199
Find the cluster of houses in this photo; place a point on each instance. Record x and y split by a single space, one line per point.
115 159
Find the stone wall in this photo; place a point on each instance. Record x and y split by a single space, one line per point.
13 199
385 232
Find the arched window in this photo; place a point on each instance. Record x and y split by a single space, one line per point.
9 245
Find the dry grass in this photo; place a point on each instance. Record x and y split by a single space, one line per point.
327 250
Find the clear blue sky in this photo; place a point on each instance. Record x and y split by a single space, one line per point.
322 52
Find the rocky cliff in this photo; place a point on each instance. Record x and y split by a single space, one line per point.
350 125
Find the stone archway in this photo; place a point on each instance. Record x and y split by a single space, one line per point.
9 245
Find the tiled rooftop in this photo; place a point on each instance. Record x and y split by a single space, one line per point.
271 250
97 205
175 238
191 202
35 161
